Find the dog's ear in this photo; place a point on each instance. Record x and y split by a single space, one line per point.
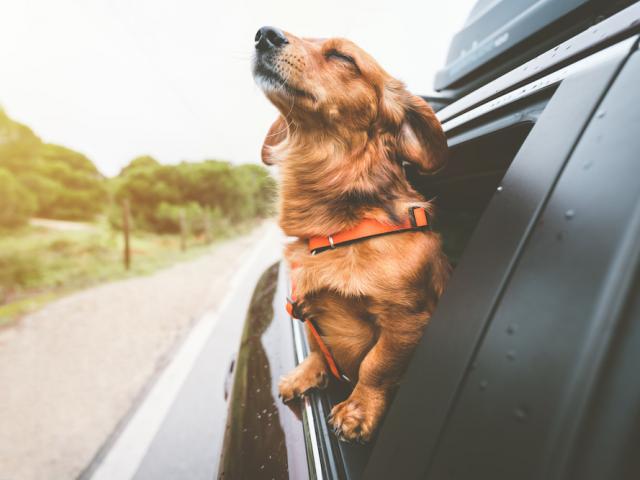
421 140
276 135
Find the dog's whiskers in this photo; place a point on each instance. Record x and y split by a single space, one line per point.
288 122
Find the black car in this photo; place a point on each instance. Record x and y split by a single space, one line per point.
528 368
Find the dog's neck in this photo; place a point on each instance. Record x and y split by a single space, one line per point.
328 185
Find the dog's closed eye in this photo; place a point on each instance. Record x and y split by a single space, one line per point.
336 55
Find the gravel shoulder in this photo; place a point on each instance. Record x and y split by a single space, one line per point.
71 371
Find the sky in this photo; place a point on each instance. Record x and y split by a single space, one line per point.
115 79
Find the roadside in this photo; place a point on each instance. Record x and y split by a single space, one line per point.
51 258
61 225
72 370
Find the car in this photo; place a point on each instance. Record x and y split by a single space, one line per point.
528 368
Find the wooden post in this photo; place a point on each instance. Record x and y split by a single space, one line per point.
207 227
126 225
183 230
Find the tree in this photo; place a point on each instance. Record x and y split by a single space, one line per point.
65 183
143 161
18 204
219 190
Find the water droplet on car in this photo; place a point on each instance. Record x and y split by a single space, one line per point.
521 414
512 328
511 355
257 390
255 437
587 165
569 214
483 384
601 114
499 189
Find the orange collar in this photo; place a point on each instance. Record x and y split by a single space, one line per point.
369 227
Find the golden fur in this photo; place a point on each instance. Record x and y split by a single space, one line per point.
345 128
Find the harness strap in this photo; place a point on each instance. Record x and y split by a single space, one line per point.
365 229
311 324
369 227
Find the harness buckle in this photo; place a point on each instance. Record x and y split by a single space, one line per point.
414 222
412 217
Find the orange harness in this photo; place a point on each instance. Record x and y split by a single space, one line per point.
367 228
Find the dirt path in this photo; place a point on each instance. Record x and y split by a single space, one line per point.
72 370
61 225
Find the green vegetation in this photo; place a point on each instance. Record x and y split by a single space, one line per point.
39 264
62 183
200 201
209 191
18 204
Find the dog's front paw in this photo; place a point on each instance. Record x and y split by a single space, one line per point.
355 420
309 374
302 310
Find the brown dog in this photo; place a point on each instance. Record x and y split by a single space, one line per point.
345 129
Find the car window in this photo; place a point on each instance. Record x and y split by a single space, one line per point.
478 160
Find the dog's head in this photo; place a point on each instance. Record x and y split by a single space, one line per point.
334 86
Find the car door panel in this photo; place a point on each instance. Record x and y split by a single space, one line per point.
515 410
413 427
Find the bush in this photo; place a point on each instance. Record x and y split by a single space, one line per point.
197 219
17 271
18 204
210 190
167 216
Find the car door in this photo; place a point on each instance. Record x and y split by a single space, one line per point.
518 368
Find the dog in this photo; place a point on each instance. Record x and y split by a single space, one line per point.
344 131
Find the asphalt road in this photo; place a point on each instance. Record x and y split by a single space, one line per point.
176 431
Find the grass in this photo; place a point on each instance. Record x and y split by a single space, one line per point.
38 265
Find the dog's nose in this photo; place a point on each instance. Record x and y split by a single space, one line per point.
270 37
